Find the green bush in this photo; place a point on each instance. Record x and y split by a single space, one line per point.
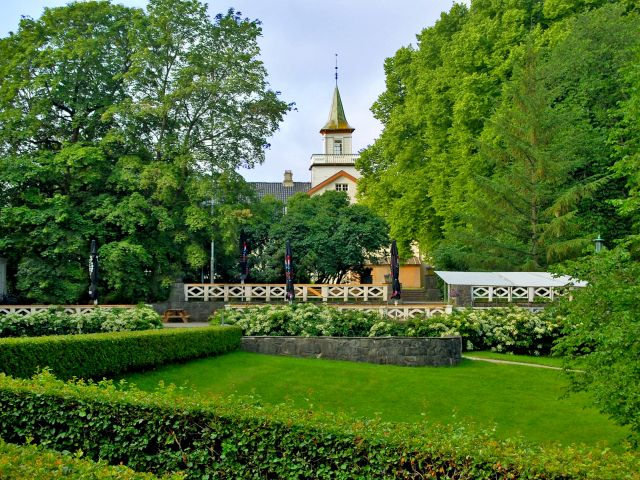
98 354
56 322
509 330
161 432
33 462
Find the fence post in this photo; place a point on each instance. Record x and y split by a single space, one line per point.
325 293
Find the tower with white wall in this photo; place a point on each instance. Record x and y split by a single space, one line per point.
335 168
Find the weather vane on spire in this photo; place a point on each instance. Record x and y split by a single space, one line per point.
336 69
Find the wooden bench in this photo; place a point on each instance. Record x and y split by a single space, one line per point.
175 314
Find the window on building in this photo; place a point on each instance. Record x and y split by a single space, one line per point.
342 187
337 147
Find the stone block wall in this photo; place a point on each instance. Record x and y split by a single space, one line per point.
406 351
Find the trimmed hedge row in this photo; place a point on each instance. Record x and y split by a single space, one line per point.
55 321
161 432
31 462
100 354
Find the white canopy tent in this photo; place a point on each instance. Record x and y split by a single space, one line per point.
507 286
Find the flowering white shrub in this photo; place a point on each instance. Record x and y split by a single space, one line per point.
514 330
57 322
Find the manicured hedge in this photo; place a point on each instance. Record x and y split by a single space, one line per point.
228 438
31 462
55 321
100 354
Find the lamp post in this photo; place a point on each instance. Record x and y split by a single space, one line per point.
598 242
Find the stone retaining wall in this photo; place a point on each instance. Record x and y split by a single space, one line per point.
406 351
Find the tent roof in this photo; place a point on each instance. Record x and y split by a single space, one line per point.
508 279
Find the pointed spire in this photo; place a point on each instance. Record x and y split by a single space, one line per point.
337 119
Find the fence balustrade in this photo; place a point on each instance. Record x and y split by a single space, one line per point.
31 309
517 294
268 292
399 312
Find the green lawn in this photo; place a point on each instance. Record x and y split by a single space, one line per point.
515 400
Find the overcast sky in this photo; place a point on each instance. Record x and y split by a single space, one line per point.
299 41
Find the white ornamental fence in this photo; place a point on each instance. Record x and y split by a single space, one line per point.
517 294
399 312
31 309
210 292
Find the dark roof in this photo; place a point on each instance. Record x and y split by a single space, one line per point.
278 190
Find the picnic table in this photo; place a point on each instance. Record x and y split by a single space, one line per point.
176 314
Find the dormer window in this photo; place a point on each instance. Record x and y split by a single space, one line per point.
337 147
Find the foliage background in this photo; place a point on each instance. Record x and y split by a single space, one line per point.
510 134
126 126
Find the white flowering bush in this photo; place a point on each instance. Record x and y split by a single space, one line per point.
57 322
509 330
299 319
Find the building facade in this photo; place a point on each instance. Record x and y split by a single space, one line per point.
335 169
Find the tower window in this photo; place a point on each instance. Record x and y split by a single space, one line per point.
342 187
337 147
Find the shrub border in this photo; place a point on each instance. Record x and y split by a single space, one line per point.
161 432
31 461
100 354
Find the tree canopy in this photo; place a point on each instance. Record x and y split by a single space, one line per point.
602 331
510 134
125 126
329 238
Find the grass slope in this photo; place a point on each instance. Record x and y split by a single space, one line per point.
515 400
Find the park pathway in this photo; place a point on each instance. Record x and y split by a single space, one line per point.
185 325
509 362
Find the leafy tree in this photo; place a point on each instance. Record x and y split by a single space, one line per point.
118 124
602 331
525 208
627 143
329 238
436 170
58 75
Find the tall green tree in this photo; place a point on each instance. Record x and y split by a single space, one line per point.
329 238
524 212
58 76
120 125
627 143
442 110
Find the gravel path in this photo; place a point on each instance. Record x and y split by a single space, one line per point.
508 362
